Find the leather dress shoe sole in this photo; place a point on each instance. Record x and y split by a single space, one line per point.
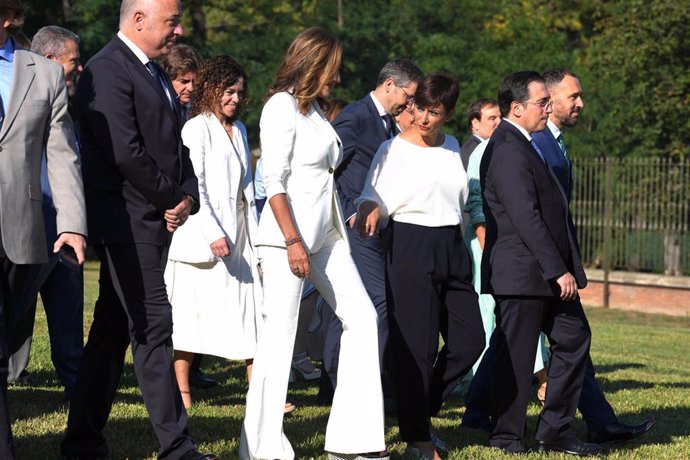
572 446
620 432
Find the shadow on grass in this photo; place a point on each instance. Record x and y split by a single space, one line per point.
606 368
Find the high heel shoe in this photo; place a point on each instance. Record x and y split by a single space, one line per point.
303 369
438 443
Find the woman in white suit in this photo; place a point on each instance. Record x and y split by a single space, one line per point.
302 235
212 273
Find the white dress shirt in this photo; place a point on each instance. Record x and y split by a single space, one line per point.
417 185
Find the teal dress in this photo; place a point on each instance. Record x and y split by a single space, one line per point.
473 208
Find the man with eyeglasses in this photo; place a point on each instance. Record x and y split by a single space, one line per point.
532 267
565 91
362 126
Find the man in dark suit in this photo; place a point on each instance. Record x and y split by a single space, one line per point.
362 126
483 117
565 92
140 186
532 267
33 123
60 282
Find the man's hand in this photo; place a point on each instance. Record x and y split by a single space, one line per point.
568 286
179 214
75 241
221 247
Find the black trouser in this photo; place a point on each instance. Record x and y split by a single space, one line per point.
132 307
519 321
15 281
429 291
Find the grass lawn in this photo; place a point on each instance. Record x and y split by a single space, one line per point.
643 364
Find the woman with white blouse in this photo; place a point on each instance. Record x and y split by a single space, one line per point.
212 273
302 235
417 180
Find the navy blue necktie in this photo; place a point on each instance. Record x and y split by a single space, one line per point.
155 73
2 112
536 147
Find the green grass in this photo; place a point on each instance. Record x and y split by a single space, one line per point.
643 364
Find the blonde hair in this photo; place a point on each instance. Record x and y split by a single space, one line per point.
311 60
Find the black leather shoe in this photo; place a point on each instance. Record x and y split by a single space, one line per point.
620 432
196 455
199 380
477 421
572 446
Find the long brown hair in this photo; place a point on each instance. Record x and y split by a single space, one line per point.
310 61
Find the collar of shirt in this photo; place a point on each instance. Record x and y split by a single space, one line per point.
479 137
378 105
135 49
7 51
521 129
555 130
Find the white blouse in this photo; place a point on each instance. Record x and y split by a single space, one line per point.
425 186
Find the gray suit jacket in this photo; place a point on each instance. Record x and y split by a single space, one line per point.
37 121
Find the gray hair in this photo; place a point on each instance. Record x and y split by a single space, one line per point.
52 40
402 71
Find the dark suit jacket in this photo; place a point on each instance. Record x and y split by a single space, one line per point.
361 131
467 148
530 238
554 157
134 163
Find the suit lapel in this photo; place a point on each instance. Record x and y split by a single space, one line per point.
376 119
24 74
144 73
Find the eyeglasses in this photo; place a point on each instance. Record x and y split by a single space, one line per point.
545 104
410 97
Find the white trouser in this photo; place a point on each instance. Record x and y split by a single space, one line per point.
356 421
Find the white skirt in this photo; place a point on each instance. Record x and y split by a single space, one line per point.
216 305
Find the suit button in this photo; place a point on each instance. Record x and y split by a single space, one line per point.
330 170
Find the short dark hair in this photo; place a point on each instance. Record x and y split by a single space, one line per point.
19 10
555 76
474 111
180 60
515 88
402 71
437 88
214 76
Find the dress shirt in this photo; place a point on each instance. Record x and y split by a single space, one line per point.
555 130
6 72
521 129
144 60
381 110
417 185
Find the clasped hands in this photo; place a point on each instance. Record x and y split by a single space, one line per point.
179 214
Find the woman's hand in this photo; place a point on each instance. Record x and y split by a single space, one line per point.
298 259
368 215
221 247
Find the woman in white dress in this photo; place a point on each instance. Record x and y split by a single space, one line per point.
302 235
212 276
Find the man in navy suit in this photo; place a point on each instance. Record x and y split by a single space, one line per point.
140 187
483 117
60 282
565 92
533 269
362 126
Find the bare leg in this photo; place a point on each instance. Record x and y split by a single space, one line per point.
541 391
250 364
182 363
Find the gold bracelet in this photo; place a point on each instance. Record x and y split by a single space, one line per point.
292 241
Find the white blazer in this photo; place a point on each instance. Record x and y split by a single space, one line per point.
221 172
300 154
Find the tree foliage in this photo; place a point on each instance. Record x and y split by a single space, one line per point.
632 56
